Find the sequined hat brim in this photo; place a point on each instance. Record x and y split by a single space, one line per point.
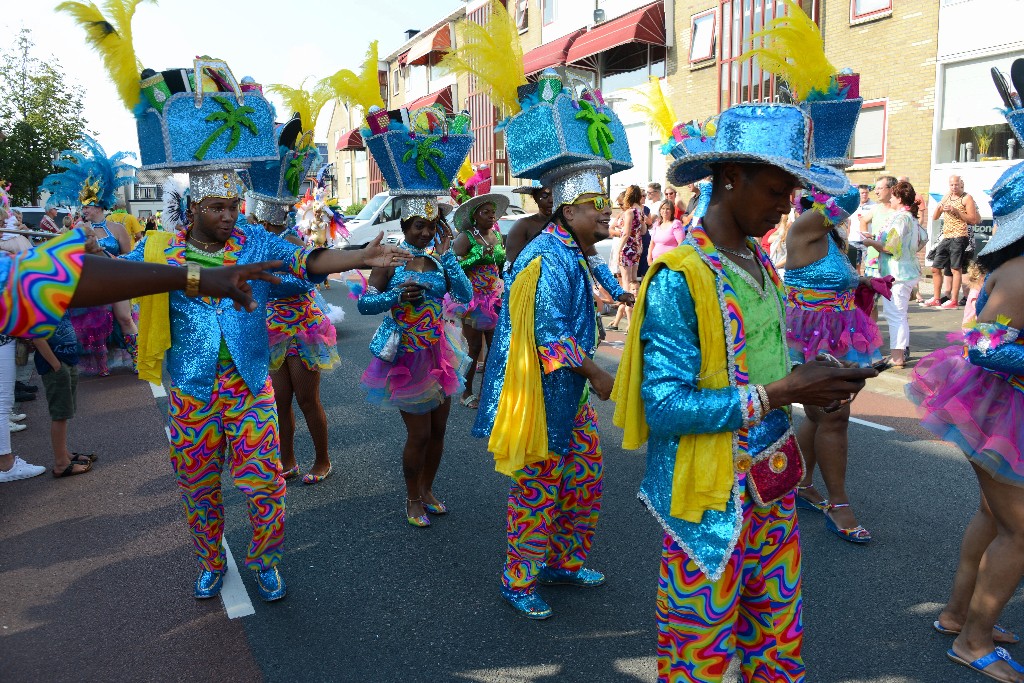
695 167
266 209
465 211
1009 192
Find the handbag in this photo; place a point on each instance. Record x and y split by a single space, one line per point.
386 340
775 471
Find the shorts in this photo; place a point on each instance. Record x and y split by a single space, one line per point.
952 253
62 392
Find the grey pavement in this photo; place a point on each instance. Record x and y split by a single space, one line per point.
97 569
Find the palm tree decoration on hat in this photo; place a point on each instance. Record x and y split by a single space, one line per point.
232 119
424 152
598 133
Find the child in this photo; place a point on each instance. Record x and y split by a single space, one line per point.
57 364
975 280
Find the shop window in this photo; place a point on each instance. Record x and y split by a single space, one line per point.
702 36
869 138
522 15
631 65
861 10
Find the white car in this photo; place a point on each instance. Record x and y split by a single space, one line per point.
382 213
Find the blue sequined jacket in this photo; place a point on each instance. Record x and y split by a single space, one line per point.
192 359
566 332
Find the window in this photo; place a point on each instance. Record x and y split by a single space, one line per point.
869 9
702 36
745 81
631 65
548 8
868 145
522 18
394 81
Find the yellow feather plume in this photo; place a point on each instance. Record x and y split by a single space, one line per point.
492 53
307 104
361 90
793 50
111 36
656 108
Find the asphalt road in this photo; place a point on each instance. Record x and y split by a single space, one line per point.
97 569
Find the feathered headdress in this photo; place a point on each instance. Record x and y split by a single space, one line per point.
658 111
362 90
89 177
307 104
492 52
175 214
112 38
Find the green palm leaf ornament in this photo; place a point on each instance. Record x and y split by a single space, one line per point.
293 176
233 119
598 133
424 152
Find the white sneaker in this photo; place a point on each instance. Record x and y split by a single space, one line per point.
16 417
21 470
15 427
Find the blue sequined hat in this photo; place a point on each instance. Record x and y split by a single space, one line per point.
556 127
1007 209
833 124
419 154
274 185
220 122
774 134
89 177
1016 120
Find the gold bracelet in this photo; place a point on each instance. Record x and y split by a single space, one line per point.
762 393
192 279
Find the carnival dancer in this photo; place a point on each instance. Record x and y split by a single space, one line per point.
481 254
973 395
90 179
706 374
822 317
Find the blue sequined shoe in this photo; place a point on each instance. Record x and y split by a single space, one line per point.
529 604
587 578
269 584
208 584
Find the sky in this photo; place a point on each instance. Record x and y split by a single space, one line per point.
259 38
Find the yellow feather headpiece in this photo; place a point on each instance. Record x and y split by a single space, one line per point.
794 51
493 54
656 108
111 36
307 104
362 90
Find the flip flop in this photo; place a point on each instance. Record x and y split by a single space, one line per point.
982 663
92 457
471 402
951 632
69 471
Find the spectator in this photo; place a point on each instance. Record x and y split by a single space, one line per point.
667 233
633 229
615 233
651 204
677 204
872 222
48 223
151 223
694 198
958 211
856 250
67 222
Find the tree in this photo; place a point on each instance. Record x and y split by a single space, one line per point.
40 115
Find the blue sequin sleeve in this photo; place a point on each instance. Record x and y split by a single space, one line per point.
294 257
604 277
674 404
138 253
375 301
556 345
461 287
289 286
995 346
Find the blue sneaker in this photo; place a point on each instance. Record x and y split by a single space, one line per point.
208 584
269 584
587 578
527 603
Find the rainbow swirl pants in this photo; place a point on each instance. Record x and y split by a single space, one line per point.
754 607
553 507
236 422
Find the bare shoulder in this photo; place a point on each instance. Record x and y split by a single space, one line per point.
1005 288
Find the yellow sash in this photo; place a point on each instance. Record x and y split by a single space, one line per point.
154 315
703 475
520 433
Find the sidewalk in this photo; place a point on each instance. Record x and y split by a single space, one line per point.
97 568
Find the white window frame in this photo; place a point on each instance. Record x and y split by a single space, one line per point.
522 15
709 15
856 18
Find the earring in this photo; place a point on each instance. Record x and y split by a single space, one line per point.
728 186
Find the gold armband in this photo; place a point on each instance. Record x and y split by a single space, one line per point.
192 281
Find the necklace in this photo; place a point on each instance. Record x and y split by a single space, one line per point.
190 247
415 251
748 256
195 239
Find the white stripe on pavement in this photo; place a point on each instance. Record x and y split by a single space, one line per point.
235 597
158 390
857 420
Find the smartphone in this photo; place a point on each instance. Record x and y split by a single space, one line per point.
881 365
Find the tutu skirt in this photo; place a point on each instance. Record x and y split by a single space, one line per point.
297 327
850 336
484 309
101 344
420 379
980 411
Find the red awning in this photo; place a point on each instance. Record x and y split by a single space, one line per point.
549 54
350 140
439 40
402 58
645 25
442 97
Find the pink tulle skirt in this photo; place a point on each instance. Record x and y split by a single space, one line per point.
978 410
419 380
483 311
850 336
100 341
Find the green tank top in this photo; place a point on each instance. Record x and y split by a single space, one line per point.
210 261
476 256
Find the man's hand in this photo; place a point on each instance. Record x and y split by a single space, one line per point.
601 382
818 383
627 298
232 281
376 254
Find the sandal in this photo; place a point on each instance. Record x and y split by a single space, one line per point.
982 663
311 478
808 504
290 474
70 471
857 534
82 457
997 628
472 401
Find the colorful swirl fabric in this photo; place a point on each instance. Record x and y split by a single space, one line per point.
755 607
563 353
483 311
244 425
296 326
422 324
812 299
38 285
553 507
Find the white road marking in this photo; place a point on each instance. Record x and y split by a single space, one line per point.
857 420
158 390
233 595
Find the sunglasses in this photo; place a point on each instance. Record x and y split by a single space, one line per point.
600 203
